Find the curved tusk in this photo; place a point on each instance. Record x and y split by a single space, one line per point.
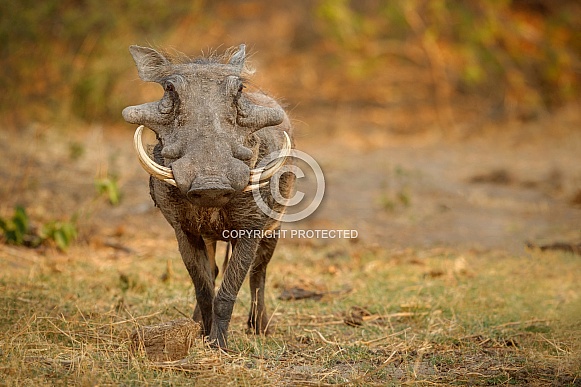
259 176
154 169
251 187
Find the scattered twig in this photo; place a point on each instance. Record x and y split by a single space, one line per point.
372 318
324 324
323 337
61 331
559 349
385 337
508 324
185 364
296 293
68 364
131 320
180 312
120 247
574 248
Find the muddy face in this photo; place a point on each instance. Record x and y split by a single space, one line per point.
201 123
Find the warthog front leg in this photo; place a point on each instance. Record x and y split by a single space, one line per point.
258 318
243 253
195 257
211 253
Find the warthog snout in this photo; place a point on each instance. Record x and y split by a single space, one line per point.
210 193
211 185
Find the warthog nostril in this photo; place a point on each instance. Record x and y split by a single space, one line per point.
210 197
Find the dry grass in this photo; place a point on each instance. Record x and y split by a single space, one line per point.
434 317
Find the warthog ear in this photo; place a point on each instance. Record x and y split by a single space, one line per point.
151 65
239 57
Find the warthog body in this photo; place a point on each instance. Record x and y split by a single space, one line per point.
211 134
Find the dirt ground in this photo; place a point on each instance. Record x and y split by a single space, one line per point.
497 190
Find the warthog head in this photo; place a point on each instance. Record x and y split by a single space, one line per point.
201 122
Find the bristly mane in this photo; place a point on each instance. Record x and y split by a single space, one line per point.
212 57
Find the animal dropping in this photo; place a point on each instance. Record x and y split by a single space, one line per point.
211 134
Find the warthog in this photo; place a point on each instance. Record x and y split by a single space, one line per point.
211 136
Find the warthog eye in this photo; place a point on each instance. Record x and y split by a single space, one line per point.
169 87
233 86
239 92
169 100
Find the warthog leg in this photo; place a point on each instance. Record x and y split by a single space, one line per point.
211 252
195 257
258 318
243 254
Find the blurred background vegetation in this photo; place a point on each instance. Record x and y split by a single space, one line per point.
67 60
